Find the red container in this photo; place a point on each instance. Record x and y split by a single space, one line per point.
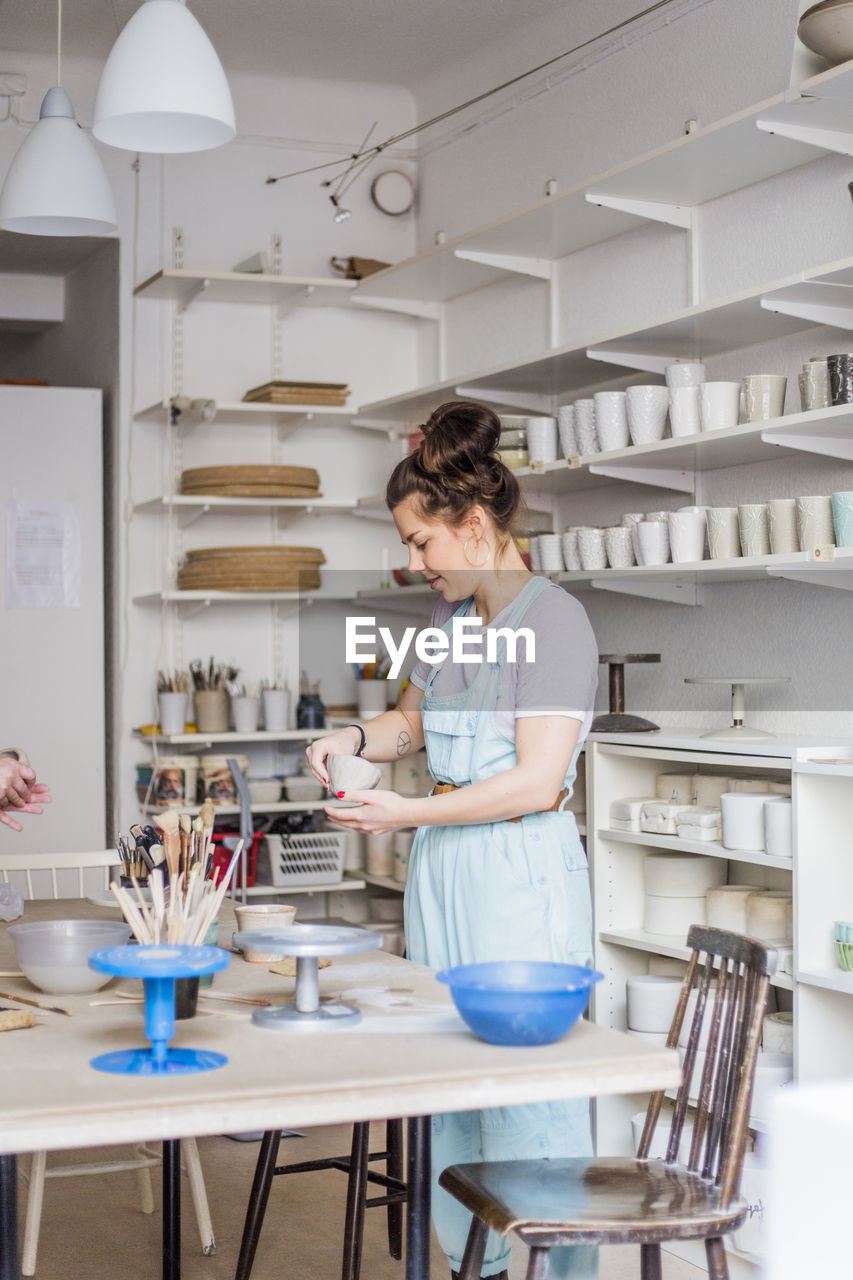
224 844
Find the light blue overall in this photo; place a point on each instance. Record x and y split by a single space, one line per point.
496 891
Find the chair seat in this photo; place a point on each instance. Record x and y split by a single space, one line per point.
606 1200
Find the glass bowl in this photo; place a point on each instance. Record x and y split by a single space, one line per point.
54 954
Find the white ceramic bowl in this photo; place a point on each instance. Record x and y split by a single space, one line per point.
303 789
264 790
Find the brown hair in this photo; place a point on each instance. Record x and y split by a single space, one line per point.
456 466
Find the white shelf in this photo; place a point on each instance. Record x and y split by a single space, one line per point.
828 980
287 891
382 882
202 504
185 286
663 185
666 945
233 810
259 414
699 332
707 848
210 739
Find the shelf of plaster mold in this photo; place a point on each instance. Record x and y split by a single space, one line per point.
708 848
211 739
674 463
254 414
287 890
828 980
779 308
186 286
671 945
190 508
664 185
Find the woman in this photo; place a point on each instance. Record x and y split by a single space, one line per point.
496 871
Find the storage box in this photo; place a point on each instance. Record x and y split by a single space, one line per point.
313 858
223 851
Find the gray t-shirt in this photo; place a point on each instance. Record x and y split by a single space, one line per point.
562 679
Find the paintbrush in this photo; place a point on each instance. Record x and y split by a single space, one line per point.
169 824
48 1008
185 835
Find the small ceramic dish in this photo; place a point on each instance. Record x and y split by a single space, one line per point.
351 773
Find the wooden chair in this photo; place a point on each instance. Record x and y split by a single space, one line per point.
550 1203
356 1166
62 870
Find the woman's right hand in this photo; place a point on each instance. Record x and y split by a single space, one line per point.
343 742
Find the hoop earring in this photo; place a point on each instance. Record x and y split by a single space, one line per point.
483 563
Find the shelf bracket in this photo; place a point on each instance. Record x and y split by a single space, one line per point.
192 291
817 302
532 401
675 215
642 360
654 477
828 446
187 611
820 576
677 591
839 140
186 517
394 430
298 299
417 307
513 263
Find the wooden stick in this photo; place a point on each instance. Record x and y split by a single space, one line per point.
130 913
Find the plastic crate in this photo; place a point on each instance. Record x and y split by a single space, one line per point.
223 851
316 857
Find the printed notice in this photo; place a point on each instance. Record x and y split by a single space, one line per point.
42 555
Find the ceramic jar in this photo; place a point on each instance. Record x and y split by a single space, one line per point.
723 533
814 522
542 439
840 378
566 430
647 409
619 545
815 391
569 545
719 405
763 396
686 536
550 553
593 554
684 419
684 373
653 542
754 529
611 420
585 433
842 518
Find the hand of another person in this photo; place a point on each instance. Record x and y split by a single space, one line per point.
7 820
378 811
16 782
344 742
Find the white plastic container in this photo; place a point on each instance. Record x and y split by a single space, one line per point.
683 875
651 1002
672 917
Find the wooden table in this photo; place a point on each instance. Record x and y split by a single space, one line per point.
53 1099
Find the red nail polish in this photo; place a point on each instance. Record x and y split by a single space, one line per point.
341 795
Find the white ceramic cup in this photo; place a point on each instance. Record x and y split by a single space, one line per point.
630 520
754 529
611 420
763 396
647 409
684 417
566 430
684 373
686 536
173 712
619 545
535 557
542 439
245 713
723 533
372 698
815 391
653 542
585 432
593 554
782 521
263 916
719 405
569 544
815 527
551 553
276 710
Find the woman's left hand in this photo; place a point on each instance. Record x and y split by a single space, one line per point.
378 811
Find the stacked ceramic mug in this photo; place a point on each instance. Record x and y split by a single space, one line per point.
512 446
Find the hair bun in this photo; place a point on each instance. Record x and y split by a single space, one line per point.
459 435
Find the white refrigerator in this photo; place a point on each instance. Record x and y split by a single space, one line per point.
52 670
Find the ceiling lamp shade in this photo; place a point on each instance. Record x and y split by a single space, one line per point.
163 88
56 184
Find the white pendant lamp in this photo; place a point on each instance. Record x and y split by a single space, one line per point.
56 184
163 88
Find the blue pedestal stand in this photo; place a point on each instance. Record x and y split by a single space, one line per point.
159 966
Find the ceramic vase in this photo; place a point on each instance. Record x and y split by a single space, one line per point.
754 529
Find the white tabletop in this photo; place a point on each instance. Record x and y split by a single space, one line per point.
53 1098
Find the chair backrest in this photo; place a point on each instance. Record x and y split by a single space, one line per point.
24 864
732 1010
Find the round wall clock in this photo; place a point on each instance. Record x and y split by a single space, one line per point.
393 192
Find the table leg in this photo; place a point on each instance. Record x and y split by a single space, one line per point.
9 1218
418 1199
172 1209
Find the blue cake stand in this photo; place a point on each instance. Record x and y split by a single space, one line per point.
159 966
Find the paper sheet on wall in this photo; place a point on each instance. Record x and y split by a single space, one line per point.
42 555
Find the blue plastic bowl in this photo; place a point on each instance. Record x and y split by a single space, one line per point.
520 1002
